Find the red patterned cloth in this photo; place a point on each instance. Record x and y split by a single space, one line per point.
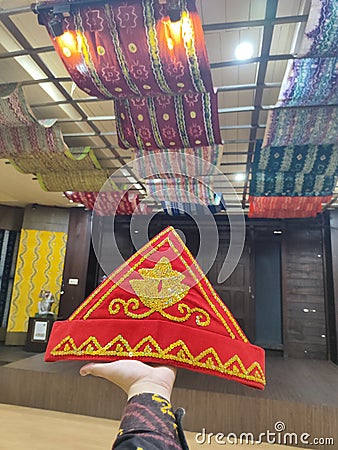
108 203
286 207
159 307
164 122
130 48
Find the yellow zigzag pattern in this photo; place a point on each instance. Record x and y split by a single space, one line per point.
148 346
40 265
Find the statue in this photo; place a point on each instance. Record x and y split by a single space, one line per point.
45 304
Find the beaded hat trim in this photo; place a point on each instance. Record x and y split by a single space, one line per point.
159 307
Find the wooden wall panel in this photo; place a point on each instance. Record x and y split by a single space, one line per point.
304 294
332 297
11 218
76 261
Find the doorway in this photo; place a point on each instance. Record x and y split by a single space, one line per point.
268 293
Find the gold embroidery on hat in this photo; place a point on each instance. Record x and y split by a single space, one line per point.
158 289
134 266
148 347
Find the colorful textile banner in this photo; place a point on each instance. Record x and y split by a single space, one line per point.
286 207
182 190
298 126
316 159
131 48
45 162
291 184
321 32
13 108
311 81
109 203
35 146
194 209
188 161
82 180
180 121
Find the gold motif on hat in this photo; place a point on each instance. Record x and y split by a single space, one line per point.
158 289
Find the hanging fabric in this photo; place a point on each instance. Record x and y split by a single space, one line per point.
286 207
130 48
321 32
310 81
163 122
188 161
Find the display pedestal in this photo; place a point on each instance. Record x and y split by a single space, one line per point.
39 329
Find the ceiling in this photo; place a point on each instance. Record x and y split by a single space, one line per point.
246 90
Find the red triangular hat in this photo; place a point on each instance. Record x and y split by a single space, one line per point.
159 307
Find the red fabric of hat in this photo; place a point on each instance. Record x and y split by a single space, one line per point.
159 307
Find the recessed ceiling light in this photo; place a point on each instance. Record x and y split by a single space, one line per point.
244 51
240 177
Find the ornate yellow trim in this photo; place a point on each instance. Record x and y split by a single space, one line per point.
202 318
149 347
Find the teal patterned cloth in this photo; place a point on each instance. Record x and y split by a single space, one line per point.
298 126
321 32
311 81
318 159
291 184
301 170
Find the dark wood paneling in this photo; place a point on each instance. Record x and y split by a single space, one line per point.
332 294
11 218
76 261
235 290
304 293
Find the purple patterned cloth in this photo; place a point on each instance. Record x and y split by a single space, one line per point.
321 33
310 81
168 121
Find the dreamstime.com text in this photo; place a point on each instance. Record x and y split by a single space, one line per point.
278 436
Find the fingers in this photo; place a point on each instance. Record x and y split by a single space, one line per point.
95 369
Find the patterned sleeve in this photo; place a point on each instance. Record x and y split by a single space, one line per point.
149 423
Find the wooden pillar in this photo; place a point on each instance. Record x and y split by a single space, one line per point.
76 262
332 291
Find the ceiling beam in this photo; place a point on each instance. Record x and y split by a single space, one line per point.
254 23
270 15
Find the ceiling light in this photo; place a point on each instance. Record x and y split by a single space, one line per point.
240 177
244 51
